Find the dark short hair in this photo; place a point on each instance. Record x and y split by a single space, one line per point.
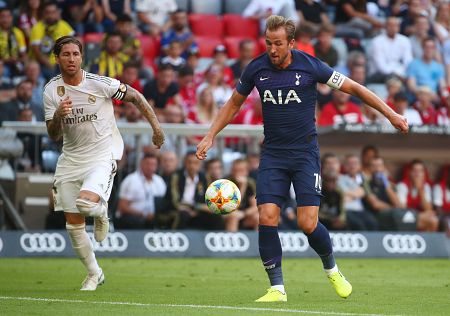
185 71
400 96
149 155
163 67
49 4
124 18
60 42
6 8
244 42
211 161
367 148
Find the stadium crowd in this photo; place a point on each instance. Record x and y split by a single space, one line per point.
185 57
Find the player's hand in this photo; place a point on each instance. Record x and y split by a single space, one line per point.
158 138
203 147
64 108
399 122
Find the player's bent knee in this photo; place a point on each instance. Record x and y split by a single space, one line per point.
89 208
307 226
268 219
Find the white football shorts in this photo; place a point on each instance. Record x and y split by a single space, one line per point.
70 180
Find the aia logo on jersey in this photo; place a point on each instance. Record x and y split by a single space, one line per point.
279 98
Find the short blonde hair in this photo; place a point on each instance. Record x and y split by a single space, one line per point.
274 22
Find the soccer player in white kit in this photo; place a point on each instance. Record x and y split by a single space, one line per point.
78 108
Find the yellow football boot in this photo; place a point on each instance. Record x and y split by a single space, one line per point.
273 295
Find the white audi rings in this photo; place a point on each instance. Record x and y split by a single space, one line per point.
349 242
166 242
399 243
227 242
114 242
42 242
293 242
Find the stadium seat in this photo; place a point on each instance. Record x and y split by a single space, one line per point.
206 25
235 6
207 44
208 7
262 44
236 25
341 47
151 48
232 45
183 5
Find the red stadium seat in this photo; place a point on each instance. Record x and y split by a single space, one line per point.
206 25
93 37
151 48
206 45
232 45
236 25
262 44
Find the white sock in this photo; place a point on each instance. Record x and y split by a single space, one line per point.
332 270
279 288
83 247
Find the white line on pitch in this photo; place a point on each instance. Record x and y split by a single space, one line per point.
254 309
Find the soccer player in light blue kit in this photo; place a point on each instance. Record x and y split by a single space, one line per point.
286 80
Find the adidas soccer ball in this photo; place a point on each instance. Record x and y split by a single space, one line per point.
223 196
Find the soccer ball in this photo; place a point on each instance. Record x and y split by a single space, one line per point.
223 196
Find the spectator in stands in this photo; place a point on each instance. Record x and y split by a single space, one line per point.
391 53
441 25
401 106
206 108
187 88
130 75
10 111
111 60
153 15
340 111
43 36
83 15
33 74
179 31
13 47
358 74
173 56
352 185
441 199
186 199
323 48
312 13
414 191
138 196
6 87
253 164
261 9
251 115
173 114
352 19
168 164
160 90
332 211
112 10
420 32
414 10
427 71
381 196
246 52
425 107
214 78
246 216
368 153
131 44
220 57
303 38
29 15
393 86
330 163
30 161
443 114
213 170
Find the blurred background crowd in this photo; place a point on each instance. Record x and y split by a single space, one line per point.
185 56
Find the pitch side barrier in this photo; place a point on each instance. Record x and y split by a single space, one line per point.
224 244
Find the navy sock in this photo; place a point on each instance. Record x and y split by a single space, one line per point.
320 241
271 252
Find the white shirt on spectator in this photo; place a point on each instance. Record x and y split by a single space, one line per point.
346 183
142 192
403 190
189 190
438 195
390 55
443 118
264 7
156 10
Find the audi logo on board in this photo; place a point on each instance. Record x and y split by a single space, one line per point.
166 242
227 242
294 242
42 242
114 242
349 242
409 244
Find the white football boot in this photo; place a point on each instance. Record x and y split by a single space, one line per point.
91 282
101 225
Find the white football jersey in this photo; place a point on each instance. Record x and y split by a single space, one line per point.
90 133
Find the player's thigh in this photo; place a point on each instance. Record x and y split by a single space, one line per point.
306 179
98 182
307 217
65 192
272 186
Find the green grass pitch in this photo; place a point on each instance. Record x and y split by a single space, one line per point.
50 286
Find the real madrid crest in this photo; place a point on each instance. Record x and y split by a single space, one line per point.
91 99
61 90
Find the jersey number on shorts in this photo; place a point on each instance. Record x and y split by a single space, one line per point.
318 182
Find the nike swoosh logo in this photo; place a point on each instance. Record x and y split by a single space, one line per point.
262 79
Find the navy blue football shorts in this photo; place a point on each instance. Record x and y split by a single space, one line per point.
278 169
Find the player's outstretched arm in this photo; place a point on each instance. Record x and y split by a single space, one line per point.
54 126
141 103
225 115
371 99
